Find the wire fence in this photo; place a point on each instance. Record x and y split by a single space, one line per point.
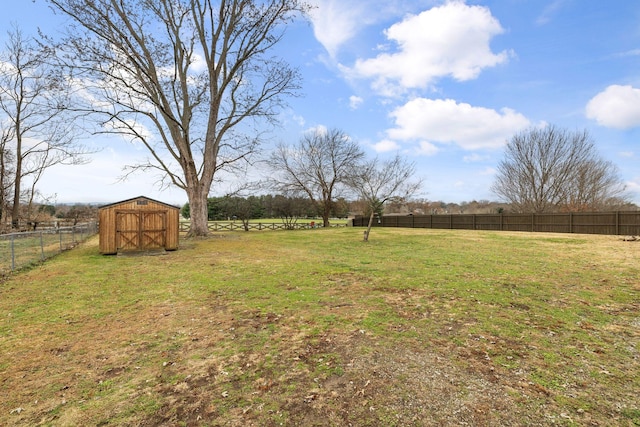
19 250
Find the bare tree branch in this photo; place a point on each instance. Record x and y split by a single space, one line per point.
38 131
377 183
317 166
186 78
552 169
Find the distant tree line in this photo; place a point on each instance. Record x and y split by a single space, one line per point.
265 206
48 214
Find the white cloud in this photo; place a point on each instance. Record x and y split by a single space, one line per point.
632 52
616 107
335 22
449 40
550 11
446 121
385 146
355 102
628 154
633 187
127 129
288 116
488 172
475 157
198 63
427 149
299 120
319 129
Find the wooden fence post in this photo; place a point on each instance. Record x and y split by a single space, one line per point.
533 222
570 222
13 253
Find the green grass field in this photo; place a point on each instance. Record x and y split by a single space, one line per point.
317 328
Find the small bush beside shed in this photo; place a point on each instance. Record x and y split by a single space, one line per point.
138 224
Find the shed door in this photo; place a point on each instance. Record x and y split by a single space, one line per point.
141 230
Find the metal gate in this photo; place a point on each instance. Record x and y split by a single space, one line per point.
141 230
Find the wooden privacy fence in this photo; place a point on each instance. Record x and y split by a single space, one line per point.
612 223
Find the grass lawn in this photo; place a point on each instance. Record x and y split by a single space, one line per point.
317 328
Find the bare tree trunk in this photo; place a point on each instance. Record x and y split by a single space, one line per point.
368 230
15 209
326 213
3 180
199 212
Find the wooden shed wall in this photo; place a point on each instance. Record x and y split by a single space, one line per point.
138 222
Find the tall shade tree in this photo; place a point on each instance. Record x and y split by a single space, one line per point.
378 182
37 132
317 166
192 80
551 169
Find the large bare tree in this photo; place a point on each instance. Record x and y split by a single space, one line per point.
378 182
320 162
194 81
552 169
37 132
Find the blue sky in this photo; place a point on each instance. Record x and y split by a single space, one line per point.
445 83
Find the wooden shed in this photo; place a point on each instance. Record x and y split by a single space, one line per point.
138 224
